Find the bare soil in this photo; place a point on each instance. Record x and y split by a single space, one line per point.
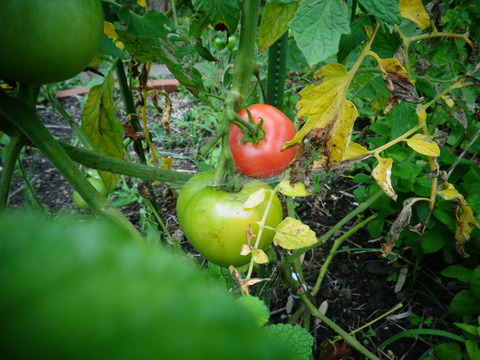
360 284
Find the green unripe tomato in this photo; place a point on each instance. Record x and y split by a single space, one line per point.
46 41
219 43
97 184
216 222
231 43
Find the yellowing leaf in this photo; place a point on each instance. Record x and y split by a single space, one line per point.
448 100
449 193
397 81
101 125
109 30
298 189
255 199
423 145
245 250
382 174
354 150
465 220
274 23
414 11
259 256
421 114
291 234
330 116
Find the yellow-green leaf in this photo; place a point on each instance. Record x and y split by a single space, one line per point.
465 220
298 189
291 234
330 116
423 145
413 10
354 150
422 115
274 23
382 174
101 125
259 256
255 199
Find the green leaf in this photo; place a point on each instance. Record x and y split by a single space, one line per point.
465 303
222 14
317 27
274 23
472 349
448 351
470 329
402 118
458 272
154 36
356 37
375 227
297 338
445 217
101 125
416 332
475 282
431 242
384 10
256 307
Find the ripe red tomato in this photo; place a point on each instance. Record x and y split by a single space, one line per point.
264 159
215 221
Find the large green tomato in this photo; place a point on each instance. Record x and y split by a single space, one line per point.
47 41
216 222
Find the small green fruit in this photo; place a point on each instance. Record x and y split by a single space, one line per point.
97 184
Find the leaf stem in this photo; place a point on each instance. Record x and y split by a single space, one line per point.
322 239
336 244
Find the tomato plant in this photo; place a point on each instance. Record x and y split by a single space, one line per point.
266 158
216 223
97 184
48 41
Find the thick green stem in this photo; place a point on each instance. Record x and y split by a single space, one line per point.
99 161
12 151
22 114
245 64
243 69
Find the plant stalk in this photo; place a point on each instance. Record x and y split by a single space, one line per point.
21 112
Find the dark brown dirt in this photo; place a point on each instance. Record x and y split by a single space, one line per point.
360 284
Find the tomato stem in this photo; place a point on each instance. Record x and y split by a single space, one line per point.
243 69
12 151
21 112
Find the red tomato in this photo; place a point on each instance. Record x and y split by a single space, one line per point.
264 159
